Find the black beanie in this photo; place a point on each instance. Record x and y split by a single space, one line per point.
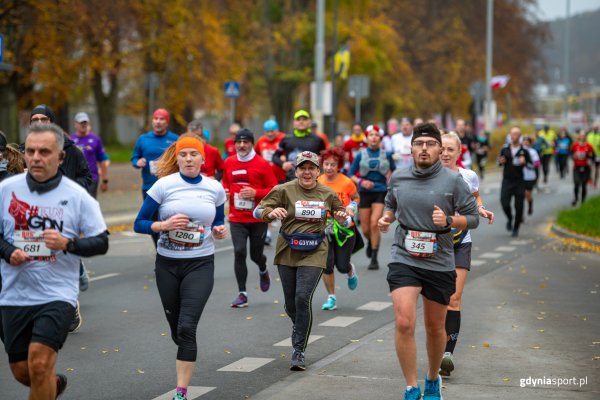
45 110
244 134
427 130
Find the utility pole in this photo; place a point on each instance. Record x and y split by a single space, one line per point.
333 130
566 68
320 63
488 64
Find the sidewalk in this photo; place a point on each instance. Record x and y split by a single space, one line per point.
535 318
121 203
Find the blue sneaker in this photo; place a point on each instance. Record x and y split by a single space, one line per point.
241 301
353 281
179 396
433 389
414 393
329 303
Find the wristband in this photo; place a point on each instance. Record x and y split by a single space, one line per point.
104 180
481 206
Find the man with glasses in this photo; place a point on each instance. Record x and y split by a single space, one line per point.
428 200
93 150
301 139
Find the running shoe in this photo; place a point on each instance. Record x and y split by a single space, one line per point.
298 362
179 396
509 225
265 281
76 319
433 389
240 301
414 393
374 265
353 280
61 384
84 278
268 238
515 233
447 364
330 304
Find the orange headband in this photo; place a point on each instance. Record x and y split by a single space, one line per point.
188 142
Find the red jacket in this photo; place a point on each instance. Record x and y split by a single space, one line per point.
229 145
213 161
256 174
266 149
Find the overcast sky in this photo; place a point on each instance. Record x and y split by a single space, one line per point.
553 9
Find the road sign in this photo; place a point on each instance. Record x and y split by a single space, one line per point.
358 86
232 89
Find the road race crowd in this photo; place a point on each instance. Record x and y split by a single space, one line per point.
297 191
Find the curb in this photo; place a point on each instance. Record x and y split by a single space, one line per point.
562 232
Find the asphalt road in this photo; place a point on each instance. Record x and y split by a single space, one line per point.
124 350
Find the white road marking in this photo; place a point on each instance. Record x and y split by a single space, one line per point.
222 249
341 322
193 393
477 263
505 248
246 364
519 242
375 306
491 255
105 276
288 342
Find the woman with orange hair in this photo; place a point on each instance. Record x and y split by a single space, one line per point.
190 216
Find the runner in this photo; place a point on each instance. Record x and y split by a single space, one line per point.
229 143
48 223
563 149
301 253
190 216
352 146
547 153
302 139
513 157
247 179
401 152
583 157
341 240
462 248
424 200
213 166
530 173
482 147
375 167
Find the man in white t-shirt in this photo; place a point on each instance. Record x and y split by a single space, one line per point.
401 144
47 221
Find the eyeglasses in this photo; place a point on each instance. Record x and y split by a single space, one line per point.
430 143
40 119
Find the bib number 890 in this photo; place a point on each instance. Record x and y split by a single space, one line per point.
310 213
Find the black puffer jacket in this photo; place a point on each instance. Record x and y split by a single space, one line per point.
75 166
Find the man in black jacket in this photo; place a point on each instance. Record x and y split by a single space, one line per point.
513 157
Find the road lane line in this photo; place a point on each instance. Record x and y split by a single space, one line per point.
105 276
375 306
341 322
491 255
246 364
477 263
193 393
288 342
519 242
505 248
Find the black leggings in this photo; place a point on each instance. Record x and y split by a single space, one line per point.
507 191
581 175
184 286
299 284
546 165
240 232
563 164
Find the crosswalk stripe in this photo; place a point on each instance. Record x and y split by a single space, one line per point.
341 322
505 248
193 393
519 242
375 306
105 276
477 263
288 342
491 255
246 364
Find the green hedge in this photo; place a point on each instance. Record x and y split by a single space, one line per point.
584 220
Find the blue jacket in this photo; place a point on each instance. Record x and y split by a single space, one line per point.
151 147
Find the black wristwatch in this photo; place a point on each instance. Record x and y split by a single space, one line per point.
71 246
448 221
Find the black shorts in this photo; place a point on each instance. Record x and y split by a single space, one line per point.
368 198
47 324
462 255
339 256
435 285
529 185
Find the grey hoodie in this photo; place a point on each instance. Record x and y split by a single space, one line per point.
411 195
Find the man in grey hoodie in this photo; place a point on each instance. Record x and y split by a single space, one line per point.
427 200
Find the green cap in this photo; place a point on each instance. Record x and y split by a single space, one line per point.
301 113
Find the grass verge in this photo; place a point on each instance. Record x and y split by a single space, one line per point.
584 219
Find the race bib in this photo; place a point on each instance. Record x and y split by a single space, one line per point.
242 204
310 210
420 244
153 167
32 243
268 155
191 236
